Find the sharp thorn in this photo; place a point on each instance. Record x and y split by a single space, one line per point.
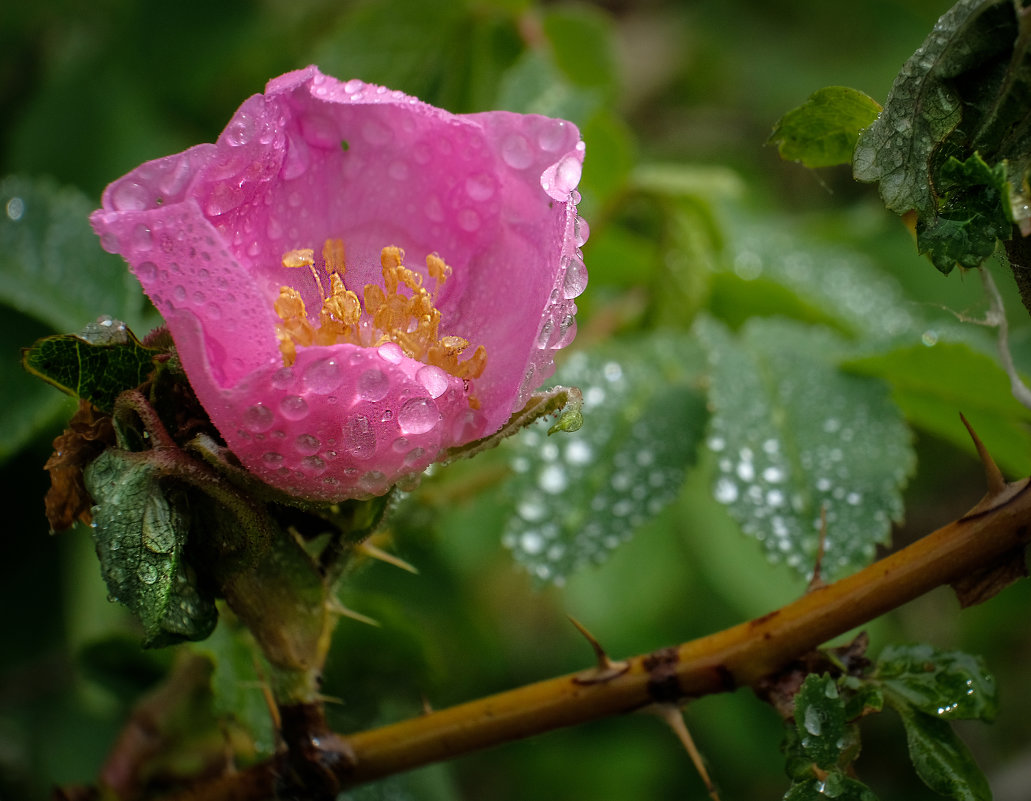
605 669
338 608
674 718
371 551
993 476
427 707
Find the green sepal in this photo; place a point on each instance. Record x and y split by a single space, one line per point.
823 131
140 533
97 365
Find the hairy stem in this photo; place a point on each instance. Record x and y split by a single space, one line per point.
741 656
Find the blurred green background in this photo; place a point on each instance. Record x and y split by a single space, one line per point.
89 90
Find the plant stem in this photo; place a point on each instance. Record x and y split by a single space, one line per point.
983 541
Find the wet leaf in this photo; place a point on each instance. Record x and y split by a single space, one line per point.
97 371
933 384
973 213
140 534
941 759
793 434
51 266
823 131
578 496
948 684
836 785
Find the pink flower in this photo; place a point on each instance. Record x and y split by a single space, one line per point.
356 281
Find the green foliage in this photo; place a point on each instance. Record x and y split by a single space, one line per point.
140 530
953 143
578 496
783 417
822 745
947 684
96 371
823 131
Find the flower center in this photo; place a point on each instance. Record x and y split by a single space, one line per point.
402 311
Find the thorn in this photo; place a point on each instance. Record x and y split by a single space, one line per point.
816 581
605 669
993 476
674 718
427 707
371 551
337 608
329 699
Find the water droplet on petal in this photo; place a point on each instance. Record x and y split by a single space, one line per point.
516 152
468 220
433 379
307 444
293 407
552 135
373 385
390 352
418 416
479 187
561 178
322 377
258 418
581 231
359 437
575 280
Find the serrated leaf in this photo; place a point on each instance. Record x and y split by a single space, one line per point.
823 131
793 434
578 496
948 684
98 373
925 104
140 534
825 737
941 759
932 385
236 683
52 267
973 213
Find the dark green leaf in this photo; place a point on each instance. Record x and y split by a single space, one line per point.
823 131
582 42
835 785
92 370
826 738
948 684
51 264
236 683
933 384
784 418
578 496
926 102
941 759
535 85
140 534
973 212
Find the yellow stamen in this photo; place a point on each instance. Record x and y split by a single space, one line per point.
402 311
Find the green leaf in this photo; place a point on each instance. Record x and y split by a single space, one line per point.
823 131
97 371
535 85
236 683
926 102
941 759
973 212
793 434
582 45
140 534
948 684
933 384
578 496
52 267
821 745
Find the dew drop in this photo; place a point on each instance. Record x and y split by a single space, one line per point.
147 573
293 407
531 542
561 178
418 416
307 444
130 196
468 220
581 231
578 452
360 437
147 271
552 135
433 379
725 491
813 722
314 465
15 208
322 377
272 459
575 280
390 352
553 479
258 418
141 238
531 510
479 187
516 152
282 378
373 385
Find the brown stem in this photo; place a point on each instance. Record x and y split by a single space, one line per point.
739 656
1018 251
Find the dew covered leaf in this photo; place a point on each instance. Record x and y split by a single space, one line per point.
578 496
96 369
51 266
973 212
792 434
941 759
932 385
140 534
948 684
823 131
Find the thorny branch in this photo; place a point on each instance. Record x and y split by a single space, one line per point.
977 554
